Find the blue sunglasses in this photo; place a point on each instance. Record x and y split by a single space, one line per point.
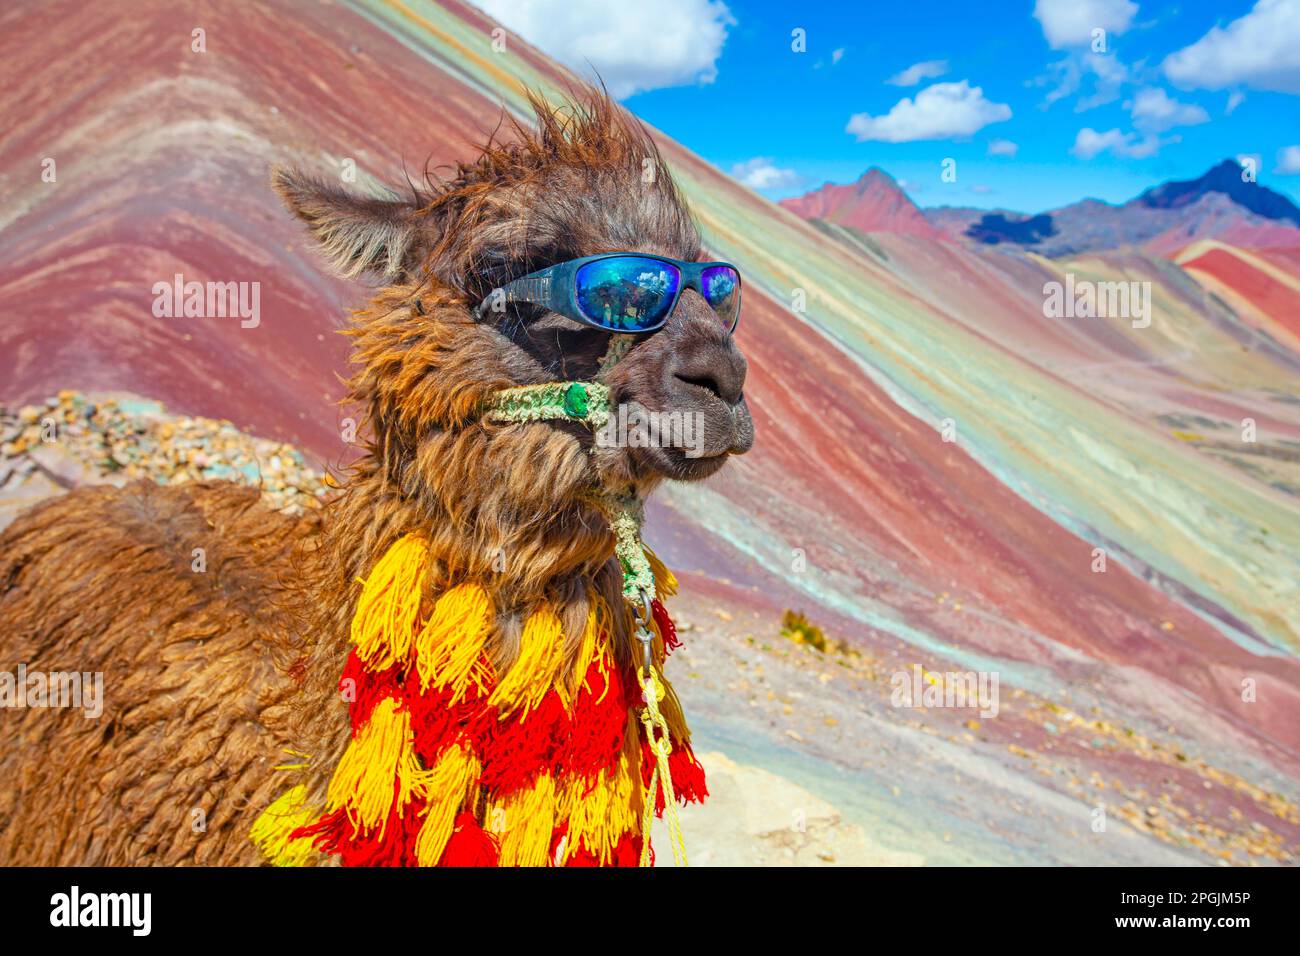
622 291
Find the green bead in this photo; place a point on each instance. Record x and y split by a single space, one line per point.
575 401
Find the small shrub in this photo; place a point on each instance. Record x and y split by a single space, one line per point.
796 627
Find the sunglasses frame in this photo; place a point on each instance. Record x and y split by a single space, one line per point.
556 288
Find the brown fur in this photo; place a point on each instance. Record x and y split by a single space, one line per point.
210 677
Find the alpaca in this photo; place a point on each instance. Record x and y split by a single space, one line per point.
444 663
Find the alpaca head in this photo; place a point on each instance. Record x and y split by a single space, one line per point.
586 180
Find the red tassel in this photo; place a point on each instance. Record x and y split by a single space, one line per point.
334 833
666 626
627 852
595 734
686 772
364 688
436 723
582 857
470 844
514 751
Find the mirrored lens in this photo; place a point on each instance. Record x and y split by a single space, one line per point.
721 286
627 293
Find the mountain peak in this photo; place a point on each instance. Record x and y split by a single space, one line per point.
1228 178
875 174
873 203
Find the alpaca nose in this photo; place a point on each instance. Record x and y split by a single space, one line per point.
707 356
724 377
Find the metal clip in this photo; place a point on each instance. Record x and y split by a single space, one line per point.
644 615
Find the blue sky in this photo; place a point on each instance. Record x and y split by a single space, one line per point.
1168 90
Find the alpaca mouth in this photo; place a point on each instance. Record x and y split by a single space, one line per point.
688 443
677 465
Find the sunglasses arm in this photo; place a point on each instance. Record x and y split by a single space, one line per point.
534 289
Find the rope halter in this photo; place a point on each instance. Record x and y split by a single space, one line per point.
588 403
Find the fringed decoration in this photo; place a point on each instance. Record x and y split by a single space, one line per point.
601 814
537 668
273 829
626 853
451 785
393 845
438 722
362 689
451 764
389 607
665 580
378 769
525 821
593 742
687 774
470 845
593 645
516 750
664 626
449 648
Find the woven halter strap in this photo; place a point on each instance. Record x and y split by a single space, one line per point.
583 402
587 403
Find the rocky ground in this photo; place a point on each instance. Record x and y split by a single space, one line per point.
810 759
71 440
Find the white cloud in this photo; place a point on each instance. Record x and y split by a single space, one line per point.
836 54
1003 147
761 173
941 111
1154 111
914 74
1069 72
1068 23
1259 50
1235 99
1090 143
633 48
1288 161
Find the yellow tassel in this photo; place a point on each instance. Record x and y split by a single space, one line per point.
451 784
272 828
389 607
525 821
536 671
592 649
382 752
449 648
665 580
599 818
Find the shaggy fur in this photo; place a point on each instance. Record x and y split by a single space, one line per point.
210 677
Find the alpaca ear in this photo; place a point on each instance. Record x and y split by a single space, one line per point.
357 233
